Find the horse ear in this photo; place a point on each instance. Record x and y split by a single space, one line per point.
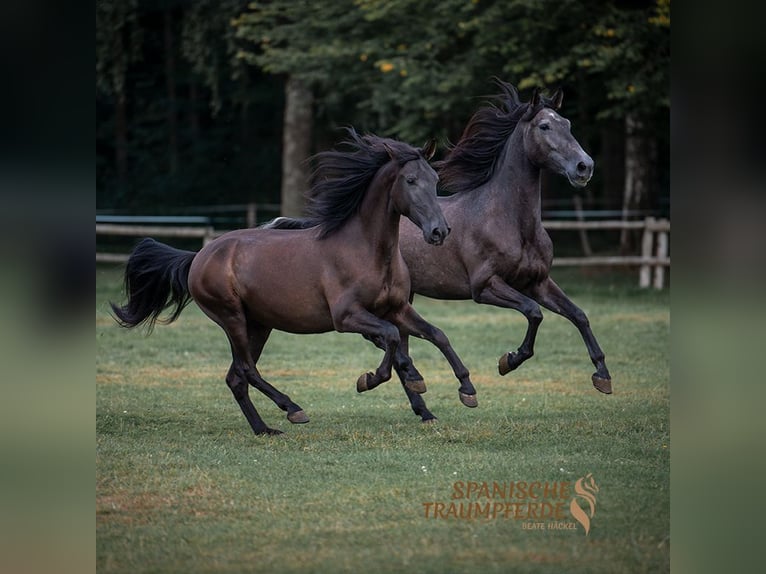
535 101
389 150
558 98
429 149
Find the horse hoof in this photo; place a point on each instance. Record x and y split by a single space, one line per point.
418 386
502 365
362 383
602 384
468 400
432 421
298 417
507 363
269 431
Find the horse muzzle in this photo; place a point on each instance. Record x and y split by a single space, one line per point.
436 235
580 173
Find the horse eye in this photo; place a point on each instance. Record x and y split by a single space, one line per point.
411 179
545 127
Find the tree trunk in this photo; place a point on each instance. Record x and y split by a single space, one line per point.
636 174
170 84
121 140
194 111
296 146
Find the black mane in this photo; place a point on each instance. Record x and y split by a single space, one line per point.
471 161
341 178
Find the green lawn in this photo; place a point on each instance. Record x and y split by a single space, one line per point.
182 485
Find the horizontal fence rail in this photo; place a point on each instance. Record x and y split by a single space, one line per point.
652 262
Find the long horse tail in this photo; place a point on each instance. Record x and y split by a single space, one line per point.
156 279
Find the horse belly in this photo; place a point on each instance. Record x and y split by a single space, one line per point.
295 312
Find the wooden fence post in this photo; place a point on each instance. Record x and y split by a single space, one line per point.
645 274
252 215
209 236
662 253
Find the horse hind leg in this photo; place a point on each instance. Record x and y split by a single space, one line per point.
236 379
295 414
258 337
242 366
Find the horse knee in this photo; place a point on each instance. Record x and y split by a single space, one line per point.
534 315
390 336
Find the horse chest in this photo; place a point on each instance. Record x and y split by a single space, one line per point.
523 260
386 292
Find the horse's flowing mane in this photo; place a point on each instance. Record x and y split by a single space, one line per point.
472 160
341 178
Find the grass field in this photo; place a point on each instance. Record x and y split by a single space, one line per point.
183 485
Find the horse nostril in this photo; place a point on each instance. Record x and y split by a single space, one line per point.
437 234
581 167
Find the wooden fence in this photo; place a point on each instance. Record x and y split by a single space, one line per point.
205 233
652 261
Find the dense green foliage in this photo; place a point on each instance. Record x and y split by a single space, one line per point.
191 93
182 484
412 65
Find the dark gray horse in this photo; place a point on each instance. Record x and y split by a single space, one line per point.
499 253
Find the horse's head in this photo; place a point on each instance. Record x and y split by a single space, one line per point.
549 143
414 194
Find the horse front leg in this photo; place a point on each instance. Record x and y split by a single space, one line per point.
497 292
411 379
382 333
411 323
550 296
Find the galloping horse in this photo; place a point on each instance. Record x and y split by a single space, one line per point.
499 253
344 273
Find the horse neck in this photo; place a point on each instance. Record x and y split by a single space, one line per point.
514 188
377 218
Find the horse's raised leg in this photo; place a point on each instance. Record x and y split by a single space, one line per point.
410 323
237 381
498 293
403 365
258 337
380 332
550 296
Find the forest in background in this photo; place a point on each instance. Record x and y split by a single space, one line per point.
218 102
